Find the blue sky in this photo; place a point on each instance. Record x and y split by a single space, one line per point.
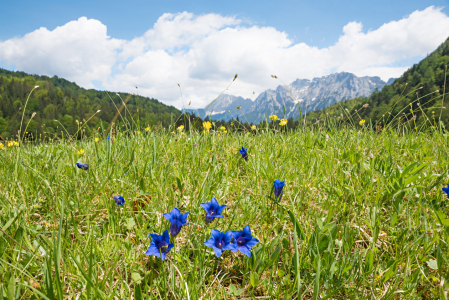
318 23
111 45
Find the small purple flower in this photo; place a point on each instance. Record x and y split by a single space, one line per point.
82 166
220 241
160 245
278 185
119 200
177 220
446 190
213 210
244 153
243 241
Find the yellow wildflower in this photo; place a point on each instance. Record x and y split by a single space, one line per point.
273 118
207 125
1 146
362 121
96 140
222 128
253 127
147 129
181 128
80 152
283 122
13 144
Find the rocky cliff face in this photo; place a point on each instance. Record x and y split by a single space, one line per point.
320 93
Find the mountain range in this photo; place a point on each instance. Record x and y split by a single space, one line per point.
315 94
417 95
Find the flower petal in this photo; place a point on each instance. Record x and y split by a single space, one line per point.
166 236
206 206
169 217
155 237
252 243
152 250
210 242
220 209
228 236
230 246
245 251
217 251
216 234
170 245
176 213
213 203
184 217
164 255
236 234
247 230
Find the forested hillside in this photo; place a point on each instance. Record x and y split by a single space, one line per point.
423 81
64 101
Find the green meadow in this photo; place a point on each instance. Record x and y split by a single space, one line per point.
362 216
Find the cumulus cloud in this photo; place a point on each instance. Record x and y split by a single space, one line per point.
203 53
79 51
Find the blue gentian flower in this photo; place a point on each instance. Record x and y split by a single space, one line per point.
213 210
119 200
278 185
446 190
243 241
220 241
160 245
177 220
244 153
82 166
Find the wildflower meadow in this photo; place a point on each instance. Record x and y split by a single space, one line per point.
322 212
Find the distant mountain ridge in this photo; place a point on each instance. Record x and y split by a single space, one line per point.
418 93
321 93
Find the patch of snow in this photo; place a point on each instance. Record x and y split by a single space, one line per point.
217 112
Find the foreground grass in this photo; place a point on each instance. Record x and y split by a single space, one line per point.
362 217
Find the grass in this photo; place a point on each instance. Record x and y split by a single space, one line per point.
362 216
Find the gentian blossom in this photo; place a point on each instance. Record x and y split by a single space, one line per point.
213 210
82 166
160 245
446 190
119 200
244 153
243 241
220 241
278 185
177 220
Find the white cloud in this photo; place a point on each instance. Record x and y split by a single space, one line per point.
203 53
79 51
